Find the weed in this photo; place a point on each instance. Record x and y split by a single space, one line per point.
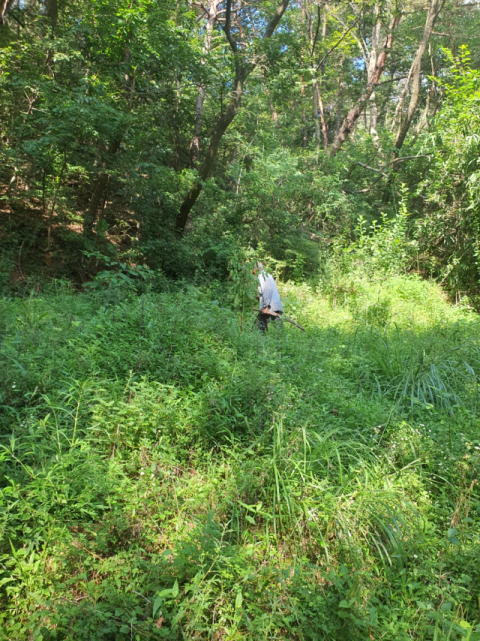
165 474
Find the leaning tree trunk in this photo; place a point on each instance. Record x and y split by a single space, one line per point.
199 102
432 14
356 111
220 128
241 74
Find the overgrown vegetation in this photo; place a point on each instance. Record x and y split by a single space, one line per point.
166 475
119 129
166 470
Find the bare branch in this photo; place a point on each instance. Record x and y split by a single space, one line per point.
377 171
397 160
385 82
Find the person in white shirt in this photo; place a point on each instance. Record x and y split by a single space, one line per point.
269 303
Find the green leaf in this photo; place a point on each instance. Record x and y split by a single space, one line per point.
175 590
156 605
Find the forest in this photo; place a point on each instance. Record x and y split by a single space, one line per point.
168 470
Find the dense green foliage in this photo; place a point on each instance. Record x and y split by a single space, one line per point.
167 471
167 475
100 117
451 188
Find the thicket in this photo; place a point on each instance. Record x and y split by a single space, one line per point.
109 109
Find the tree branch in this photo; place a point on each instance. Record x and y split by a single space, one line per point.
275 19
318 27
380 171
335 46
354 113
17 19
377 171
226 27
385 82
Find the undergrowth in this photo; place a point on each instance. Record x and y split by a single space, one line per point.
167 473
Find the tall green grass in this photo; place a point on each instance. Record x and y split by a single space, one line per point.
165 474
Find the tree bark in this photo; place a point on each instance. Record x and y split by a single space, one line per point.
5 6
51 7
197 130
432 14
422 122
339 105
199 102
220 128
322 117
98 191
304 118
241 74
376 71
315 111
319 84
270 102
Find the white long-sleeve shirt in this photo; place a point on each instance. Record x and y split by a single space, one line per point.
268 291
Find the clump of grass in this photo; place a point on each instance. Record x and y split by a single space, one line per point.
432 366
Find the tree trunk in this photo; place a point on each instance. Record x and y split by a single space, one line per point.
373 118
432 14
322 118
355 112
272 108
304 118
270 102
5 6
422 122
315 111
338 119
51 7
319 84
197 130
98 191
302 100
241 74
195 143
220 128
